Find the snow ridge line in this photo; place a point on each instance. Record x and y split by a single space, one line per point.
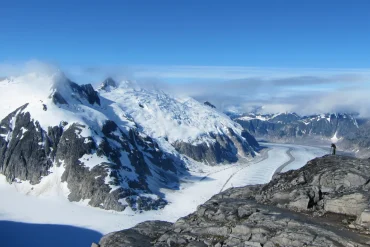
206 176
291 159
265 156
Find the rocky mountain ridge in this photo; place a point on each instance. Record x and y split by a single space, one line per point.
325 203
348 131
108 152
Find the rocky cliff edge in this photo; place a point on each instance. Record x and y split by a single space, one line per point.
325 203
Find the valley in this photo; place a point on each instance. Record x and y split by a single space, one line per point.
184 123
53 207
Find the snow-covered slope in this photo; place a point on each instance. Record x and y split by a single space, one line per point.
194 129
112 149
197 189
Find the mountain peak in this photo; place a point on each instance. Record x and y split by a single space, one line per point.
108 84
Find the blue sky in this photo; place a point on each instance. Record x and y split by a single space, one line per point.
287 55
319 34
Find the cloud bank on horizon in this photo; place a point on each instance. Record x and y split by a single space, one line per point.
305 91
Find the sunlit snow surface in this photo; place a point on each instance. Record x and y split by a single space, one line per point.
53 207
156 115
162 116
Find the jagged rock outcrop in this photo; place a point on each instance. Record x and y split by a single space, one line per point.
113 148
79 92
207 103
108 84
115 180
85 92
335 184
223 148
194 129
23 154
140 235
325 203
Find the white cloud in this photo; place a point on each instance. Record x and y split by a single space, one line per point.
304 90
238 72
33 66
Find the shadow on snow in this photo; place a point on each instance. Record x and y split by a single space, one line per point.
18 234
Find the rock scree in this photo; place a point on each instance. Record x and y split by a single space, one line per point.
325 203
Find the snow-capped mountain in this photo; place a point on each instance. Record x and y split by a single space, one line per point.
111 148
196 130
290 127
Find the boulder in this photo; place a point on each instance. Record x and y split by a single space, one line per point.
364 218
141 235
351 204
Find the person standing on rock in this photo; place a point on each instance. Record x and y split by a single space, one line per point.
333 148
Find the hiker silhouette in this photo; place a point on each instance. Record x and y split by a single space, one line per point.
333 148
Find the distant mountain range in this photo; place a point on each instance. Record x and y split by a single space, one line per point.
350 132
114 147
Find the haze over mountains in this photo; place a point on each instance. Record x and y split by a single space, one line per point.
348 131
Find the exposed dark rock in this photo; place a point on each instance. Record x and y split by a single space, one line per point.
223 148
306 207
209 104
320 184
209 153
22 153
90 184
58 99
54 134
250 139
27 152
86 91
352 133
289 127
91 95
108 84
79 92
141 235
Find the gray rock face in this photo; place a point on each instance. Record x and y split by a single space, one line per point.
209 104
250 139
27 152
213 149
108 161
79 92
58 99
307 207
291 127
224 149
324 184
85 91
141 235
108 84
353 133
23 154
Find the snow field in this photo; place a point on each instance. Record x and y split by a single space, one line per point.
52 206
